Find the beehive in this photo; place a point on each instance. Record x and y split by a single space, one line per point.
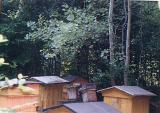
51 90
69 92
13 98
72 91
127 99
88 92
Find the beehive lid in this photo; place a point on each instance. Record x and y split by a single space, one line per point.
70 78
49 79
131 90
90 107
13 82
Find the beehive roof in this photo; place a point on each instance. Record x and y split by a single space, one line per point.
90 107
49 79
131 90
15 82
70 78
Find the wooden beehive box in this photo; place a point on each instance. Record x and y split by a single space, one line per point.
72 91
14 98
88 92
68 93
51 90
75 79
127 99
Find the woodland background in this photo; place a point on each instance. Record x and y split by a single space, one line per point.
60 37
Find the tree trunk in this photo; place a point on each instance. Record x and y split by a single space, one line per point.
111 40
124 28
127 59
0 6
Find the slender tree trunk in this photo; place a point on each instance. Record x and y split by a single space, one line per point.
0 6
111 40
127 59
124 28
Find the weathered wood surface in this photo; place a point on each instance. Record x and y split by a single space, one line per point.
12 96
140 105
116 93
50 95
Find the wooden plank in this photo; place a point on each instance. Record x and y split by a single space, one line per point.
115 93
50 95
122 104
141 105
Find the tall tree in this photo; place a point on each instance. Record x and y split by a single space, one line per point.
127 59
0 6
111 40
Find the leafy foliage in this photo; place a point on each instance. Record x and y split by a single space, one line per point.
67 36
